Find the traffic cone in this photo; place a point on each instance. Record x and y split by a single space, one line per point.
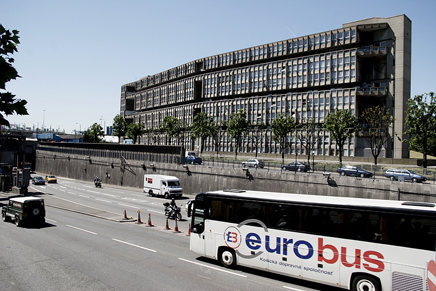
139 217
166 226
176 228
189 230
149 220
125 214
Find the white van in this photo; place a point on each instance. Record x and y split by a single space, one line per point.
190 153
167 186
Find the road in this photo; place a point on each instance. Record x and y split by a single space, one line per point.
87 245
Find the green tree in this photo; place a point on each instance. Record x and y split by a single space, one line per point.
421 120
93 134
281 126
342 126
134 130
376 122
8 104
238 126
203 127
171 126
119 126
307 134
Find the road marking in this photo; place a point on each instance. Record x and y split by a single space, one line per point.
93 191
84 196
103 200
206 266
133 245
51 220
82 229
131 206
292 288
71 193
110 195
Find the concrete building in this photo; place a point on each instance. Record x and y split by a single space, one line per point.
362 64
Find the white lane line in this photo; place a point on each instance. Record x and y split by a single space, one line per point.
103 200
153 211
71 193
51 220
93 191
295 289
206 266
133 245
84 196
81 229
131 206
110 195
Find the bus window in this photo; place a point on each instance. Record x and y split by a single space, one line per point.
198 216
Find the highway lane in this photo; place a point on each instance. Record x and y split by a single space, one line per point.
79 252
112 199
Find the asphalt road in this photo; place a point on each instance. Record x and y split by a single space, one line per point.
87 245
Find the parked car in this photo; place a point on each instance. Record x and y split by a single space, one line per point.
354 171
38 180
296 166
253 163
193 160
51 179
407 175
24 210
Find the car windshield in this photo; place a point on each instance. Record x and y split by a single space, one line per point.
173 184
412 172
38 178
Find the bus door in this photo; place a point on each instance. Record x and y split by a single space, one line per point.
197 230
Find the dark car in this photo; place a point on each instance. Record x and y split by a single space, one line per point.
253 163
24 210
38 180
193 160
298 167
407 175
354 171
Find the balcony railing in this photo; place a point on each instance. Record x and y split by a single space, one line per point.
372 91
372 51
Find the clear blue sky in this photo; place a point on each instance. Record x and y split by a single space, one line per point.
74 56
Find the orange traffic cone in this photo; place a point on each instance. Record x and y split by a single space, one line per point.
189 230
125 214
176 228
166 226
149 220
139 217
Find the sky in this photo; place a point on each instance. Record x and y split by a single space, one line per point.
74 56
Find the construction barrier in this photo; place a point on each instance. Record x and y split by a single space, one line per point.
149 220
138 221
166 225
176 228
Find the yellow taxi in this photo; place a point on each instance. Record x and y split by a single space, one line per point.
51 179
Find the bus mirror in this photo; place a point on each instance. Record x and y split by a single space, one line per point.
190 203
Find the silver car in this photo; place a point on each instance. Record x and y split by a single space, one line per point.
253 163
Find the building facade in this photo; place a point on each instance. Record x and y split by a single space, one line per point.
362 64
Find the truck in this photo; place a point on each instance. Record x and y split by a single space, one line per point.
24 210
162 185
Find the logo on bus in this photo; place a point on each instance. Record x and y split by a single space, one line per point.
302 249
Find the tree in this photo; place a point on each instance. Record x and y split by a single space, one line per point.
376 122
8 103
281 126
134 130
171 126
94 133
238 126
342 126
203 127
119 126
421 120
308 134
258 127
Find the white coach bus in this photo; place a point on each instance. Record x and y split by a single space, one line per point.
352 243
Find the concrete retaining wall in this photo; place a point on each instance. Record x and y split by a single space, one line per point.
197 178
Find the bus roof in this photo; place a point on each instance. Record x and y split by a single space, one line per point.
326 200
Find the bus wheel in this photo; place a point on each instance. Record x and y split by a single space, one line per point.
365 283
228 258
